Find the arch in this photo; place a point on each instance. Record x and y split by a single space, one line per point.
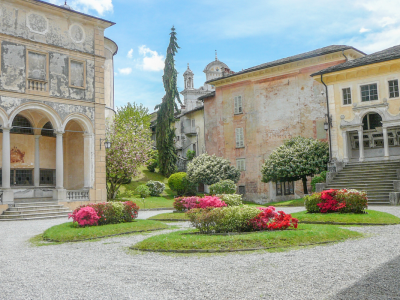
81 119
23 125
47 110
372 111
3 117
47 130
371 121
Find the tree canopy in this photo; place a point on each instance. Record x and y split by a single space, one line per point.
165 132
296 159
130 146
208 170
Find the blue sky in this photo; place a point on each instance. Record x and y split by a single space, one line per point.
245 33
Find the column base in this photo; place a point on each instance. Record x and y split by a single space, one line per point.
386 158
60 195
8 196
361 159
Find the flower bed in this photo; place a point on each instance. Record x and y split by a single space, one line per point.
342 201
188 203
105 213
239 219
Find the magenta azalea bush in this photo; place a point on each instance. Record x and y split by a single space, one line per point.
188 203
86 216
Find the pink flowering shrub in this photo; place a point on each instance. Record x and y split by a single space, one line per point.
191 202
86 216
188 203
108 212
210 201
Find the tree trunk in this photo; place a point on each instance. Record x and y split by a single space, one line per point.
304 179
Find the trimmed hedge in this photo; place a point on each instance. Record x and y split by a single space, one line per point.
223 187
231 199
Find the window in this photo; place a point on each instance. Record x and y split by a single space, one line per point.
238 105
193 123
369 92
242 190
77 73
21 177
288 188
37 72
279 188
371 121
21 125
241 164
48 130
239 138
47 177
393 88
346 96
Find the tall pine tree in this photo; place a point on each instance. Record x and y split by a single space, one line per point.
165 131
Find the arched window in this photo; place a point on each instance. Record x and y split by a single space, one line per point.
371 121
21 125
48 130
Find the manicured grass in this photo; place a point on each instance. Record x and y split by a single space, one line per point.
70 232
151 202
170 216
373 217
293 203
304 235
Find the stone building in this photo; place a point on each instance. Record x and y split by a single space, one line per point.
253 111
56 89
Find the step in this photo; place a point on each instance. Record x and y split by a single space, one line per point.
23 212
34 215
35 199
36 204
19 208
32 218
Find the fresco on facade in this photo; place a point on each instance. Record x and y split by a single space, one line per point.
17 156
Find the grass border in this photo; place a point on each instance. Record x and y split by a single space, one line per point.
337 223
230 250
101 237
170 220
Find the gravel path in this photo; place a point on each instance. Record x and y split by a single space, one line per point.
367 268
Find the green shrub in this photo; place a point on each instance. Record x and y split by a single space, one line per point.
155 187
315 180
223 219
127 180
143 191
179 183
323 175
152 165
223 187
356 201
231 199
190 154
311 201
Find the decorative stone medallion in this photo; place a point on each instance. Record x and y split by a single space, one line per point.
37 23
77 33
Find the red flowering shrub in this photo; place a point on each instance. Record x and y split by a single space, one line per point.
109 212
86 216
269 219
282 221
179 204
343 201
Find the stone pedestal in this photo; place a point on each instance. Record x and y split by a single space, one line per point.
60 195
396 185
8 196
319 187
394 198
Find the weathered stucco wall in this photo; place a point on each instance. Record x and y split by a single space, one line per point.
73 157
275 108
45 25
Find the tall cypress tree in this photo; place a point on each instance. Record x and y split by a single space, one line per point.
165 132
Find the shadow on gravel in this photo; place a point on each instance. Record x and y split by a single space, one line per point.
382 283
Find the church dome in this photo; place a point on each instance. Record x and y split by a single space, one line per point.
66 6
215 66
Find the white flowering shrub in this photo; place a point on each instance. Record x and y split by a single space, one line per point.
223 187
296 159
231 199
210 169
155 187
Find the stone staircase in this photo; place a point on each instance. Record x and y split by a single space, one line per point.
376 178
34 208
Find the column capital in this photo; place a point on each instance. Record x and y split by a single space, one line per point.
87 135
6 128
59 132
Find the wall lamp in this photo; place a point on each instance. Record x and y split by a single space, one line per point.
106 143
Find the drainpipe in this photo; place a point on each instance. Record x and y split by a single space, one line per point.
329 120
345 56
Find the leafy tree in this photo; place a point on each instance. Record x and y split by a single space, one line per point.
136 111
130 146
165 131
208 170
190 154
296 159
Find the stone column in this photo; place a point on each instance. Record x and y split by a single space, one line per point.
87 160
8 194
345 147
59 193
36 171
361 143
385 143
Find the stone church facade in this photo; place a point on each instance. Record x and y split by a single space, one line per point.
255 110
56 89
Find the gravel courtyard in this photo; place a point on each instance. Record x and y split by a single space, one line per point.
366 268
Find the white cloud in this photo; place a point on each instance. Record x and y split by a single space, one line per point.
363 29
100 6
151 60
130 54
125 71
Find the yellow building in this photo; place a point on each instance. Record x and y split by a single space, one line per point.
56 88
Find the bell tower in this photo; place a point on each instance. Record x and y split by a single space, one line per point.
188 77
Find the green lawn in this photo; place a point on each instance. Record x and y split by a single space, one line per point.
373 217
304 235
170 216
151 202
293 203
70 232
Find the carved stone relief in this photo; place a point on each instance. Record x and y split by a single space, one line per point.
37 23
77 33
